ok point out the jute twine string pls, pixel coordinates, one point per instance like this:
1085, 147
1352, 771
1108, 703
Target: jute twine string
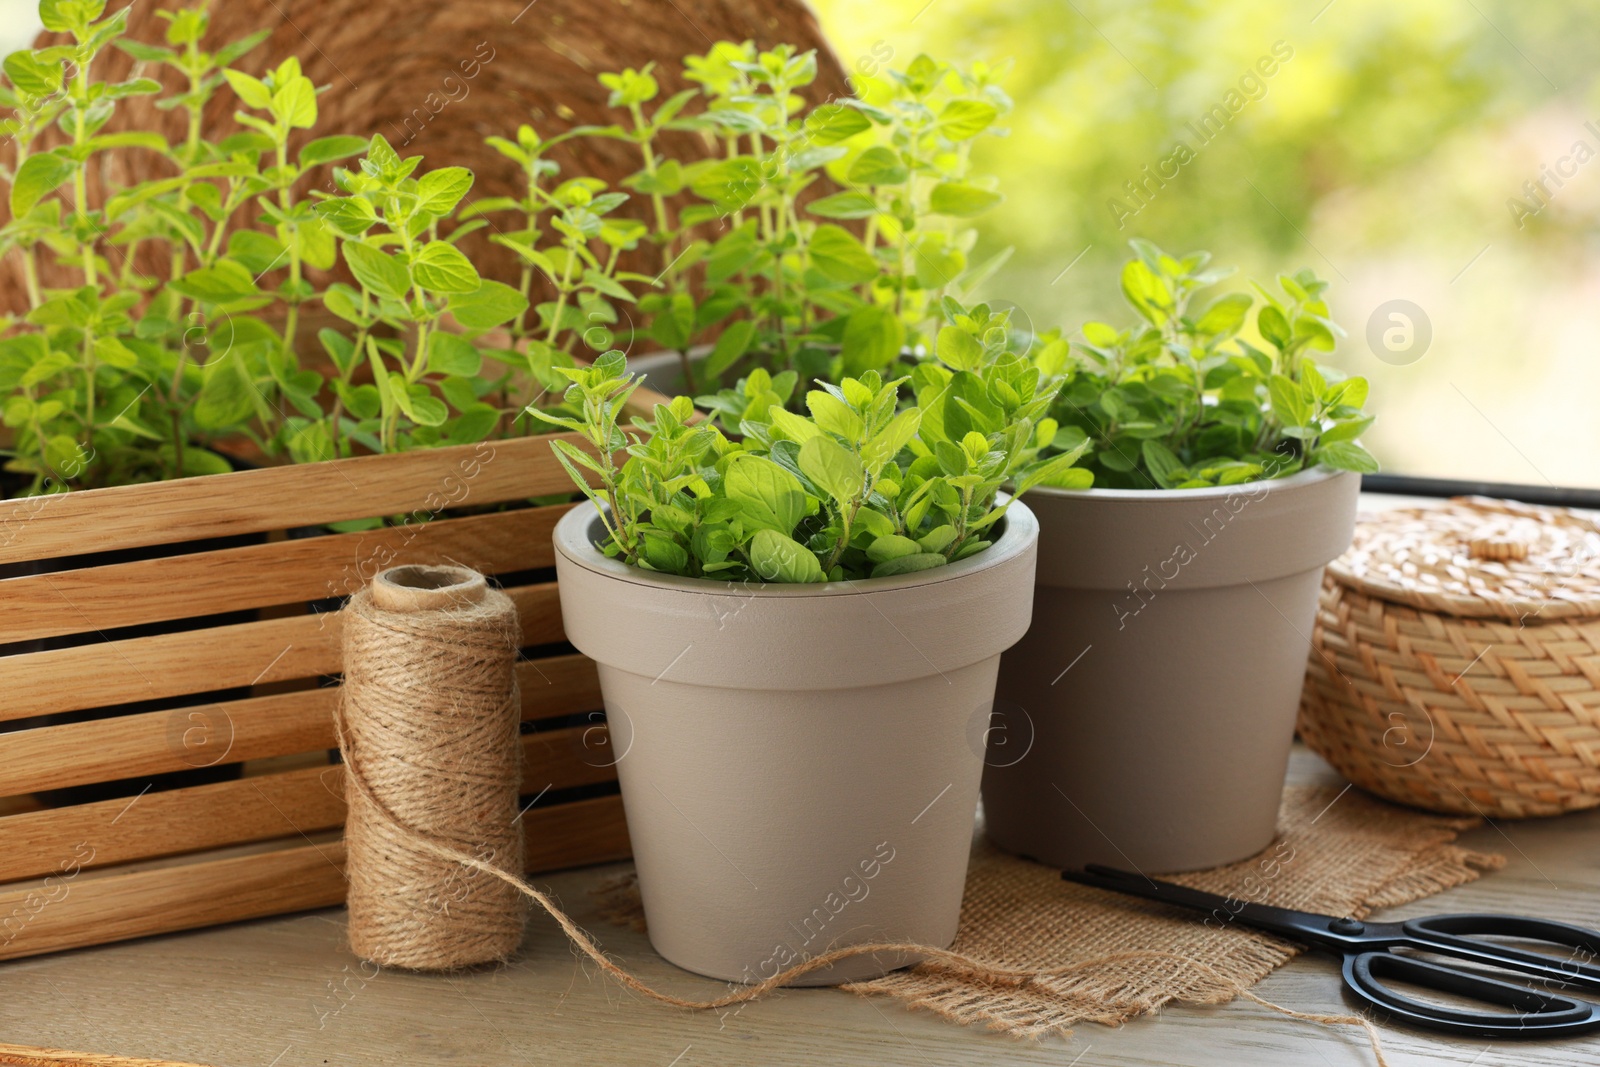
428, 723
933, 956
397, 765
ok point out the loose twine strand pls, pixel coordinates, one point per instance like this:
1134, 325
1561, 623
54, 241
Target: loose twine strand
448, 645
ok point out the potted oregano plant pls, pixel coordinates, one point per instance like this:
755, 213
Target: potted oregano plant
795, 631
1155, 695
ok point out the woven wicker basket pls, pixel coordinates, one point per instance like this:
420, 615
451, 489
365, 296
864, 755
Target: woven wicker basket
1456, 659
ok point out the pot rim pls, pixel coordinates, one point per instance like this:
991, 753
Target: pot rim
1020, 529
1300, 479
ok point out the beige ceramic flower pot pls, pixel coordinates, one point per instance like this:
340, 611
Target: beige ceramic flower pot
798, 763
1145, 720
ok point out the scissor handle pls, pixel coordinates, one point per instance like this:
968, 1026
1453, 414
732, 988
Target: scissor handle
1461, 937
1532, 1014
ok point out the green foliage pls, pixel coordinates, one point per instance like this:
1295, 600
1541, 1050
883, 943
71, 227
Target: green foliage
1182, 400
864, 485
580, 265
124, 376
128, 376
430, 390
788, 280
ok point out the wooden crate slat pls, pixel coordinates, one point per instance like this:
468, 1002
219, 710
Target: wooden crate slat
98, 911
258, 808
117, 906
194, 819
156, 742
276, 498
253, 576
152, 668
555, 759
576, 834
558, 685
197, 661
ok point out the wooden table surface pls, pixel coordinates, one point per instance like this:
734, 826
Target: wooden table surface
286, 993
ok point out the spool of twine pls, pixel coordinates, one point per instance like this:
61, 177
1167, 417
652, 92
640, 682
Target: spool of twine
428, 726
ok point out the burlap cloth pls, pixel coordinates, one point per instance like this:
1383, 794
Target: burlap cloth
1096, 956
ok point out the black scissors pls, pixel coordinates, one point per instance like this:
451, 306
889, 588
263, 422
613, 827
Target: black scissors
1367, 948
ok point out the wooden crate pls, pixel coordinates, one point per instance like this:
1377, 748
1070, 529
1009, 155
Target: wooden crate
214, 654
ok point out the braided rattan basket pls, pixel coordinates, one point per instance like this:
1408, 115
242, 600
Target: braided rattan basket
1456, 659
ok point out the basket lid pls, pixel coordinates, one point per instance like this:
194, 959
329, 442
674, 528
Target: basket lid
1473, 556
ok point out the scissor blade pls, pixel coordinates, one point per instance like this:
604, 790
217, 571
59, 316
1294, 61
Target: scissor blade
1302, 926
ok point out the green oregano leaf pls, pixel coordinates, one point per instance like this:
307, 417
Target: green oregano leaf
376, 270
777, 558
36, 178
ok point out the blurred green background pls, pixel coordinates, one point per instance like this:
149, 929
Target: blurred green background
1381, 152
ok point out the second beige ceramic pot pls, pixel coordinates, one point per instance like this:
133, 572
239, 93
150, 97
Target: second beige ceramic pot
1145, 720
798, 763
